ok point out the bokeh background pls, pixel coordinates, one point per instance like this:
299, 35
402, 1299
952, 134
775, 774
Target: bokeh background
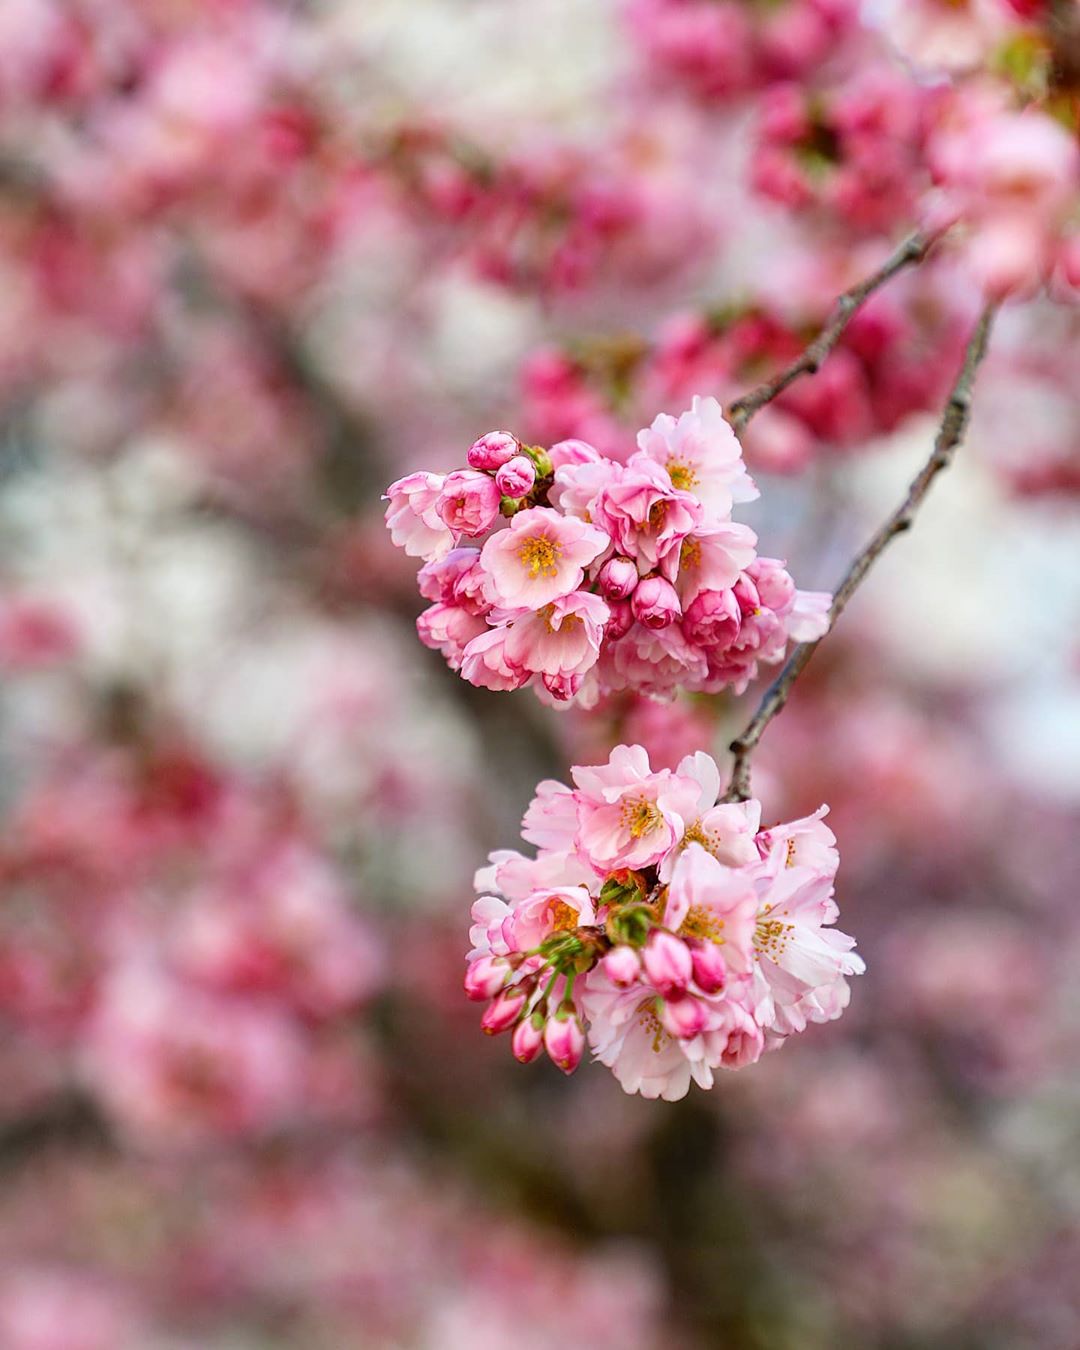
258, 259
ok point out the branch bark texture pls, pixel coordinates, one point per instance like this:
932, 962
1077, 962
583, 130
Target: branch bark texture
949, 437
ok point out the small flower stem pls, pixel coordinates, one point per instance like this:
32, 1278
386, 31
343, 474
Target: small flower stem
950, 435
914, 248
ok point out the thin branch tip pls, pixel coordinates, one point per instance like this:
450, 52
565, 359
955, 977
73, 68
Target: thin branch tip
950, 434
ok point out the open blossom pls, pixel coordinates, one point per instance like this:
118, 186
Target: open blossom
606, 576
663, 928
413, 517
540, 558
701, 454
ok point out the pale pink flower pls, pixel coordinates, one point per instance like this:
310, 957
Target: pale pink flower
627, 1033
545, 912
802, 964
726, 831
449, 629
561, 639
628, 815
701, 455
807, 842
551, 821
413, 518
709, 902
808, 618
484, 662
540, 557
646, 517
713, 557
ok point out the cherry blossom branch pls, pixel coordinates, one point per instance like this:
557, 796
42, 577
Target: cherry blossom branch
914, 248
950, 434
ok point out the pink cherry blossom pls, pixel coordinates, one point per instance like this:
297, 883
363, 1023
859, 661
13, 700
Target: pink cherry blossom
541, 557
627, 815
702, 456
413, 518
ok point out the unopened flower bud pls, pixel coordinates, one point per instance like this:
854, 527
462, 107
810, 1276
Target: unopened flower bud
622, 966
528, 1038
773, 583
630, 926
746, 593
667, 962
494, 450
682, 1016
623, 887
503, 1011
620, 621
655, 603
516, 477
564, 1040
617, 578
710, 968
485, 976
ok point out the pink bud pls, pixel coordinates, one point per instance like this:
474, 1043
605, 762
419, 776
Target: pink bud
516, 477
682, 1016
713, 619
617, 578
485, 976
773, 582
620, 622
527, 1039
494, 450
622, 966
502, 1012
655, 603
747, 595
710, 968
469, 502
564, 1040
667, 961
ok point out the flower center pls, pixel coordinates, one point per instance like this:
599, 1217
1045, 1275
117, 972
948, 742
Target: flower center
702, 923
658, 514
641, 817
771, 936
682, 475
652, 1025
540, 556
690, 553
564, 917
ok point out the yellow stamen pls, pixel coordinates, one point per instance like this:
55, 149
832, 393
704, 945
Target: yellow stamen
641, 817
771, 937
702, 923
682, 475
564, 917
648, 1019
540, 556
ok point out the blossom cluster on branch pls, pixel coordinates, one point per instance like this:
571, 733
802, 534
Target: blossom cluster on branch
673, 935
606, 576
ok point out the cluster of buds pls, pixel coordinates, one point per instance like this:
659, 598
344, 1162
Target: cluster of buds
591, 576
669, 933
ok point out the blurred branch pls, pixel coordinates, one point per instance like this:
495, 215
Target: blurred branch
950, 434
914, 248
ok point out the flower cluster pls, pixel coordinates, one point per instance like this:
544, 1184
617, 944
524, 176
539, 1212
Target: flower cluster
670, 933
607, 576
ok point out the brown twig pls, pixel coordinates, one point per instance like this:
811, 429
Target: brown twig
911, 251
950, 434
